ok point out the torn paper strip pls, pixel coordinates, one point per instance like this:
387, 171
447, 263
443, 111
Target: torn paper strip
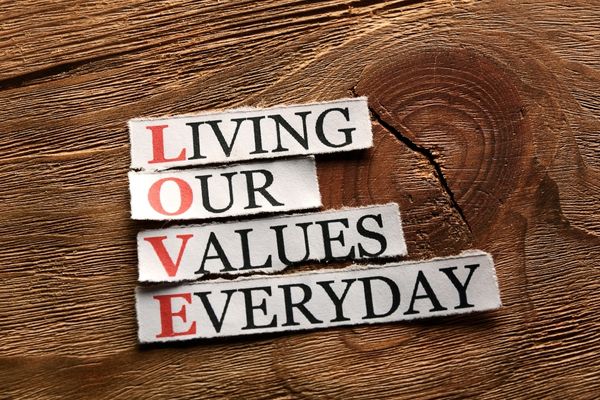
269, 244
250, 188
376, 294
250, 133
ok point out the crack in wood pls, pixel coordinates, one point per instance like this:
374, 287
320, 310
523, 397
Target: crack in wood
54, 71
427, 154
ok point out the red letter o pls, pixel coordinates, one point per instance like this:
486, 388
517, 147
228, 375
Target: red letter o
185, 192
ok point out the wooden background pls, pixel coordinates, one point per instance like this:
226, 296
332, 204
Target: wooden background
486, 119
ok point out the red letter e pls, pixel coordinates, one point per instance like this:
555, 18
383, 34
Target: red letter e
167, 315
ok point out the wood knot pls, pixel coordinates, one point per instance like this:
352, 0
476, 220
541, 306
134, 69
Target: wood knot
463, 111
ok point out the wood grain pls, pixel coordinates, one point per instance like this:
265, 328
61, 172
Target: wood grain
487, 133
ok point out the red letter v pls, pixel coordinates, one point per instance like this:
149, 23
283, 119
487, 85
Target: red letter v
159, 247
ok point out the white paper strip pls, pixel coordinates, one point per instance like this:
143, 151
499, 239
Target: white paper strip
358, 295
250, 133
269, 244
251, 188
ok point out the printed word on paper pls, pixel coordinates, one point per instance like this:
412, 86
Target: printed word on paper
250, 133
377, 294
270, 244
243, 189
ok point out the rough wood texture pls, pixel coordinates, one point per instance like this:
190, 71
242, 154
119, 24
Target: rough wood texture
487, 126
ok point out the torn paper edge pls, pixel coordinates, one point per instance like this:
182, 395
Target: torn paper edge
353, 267
217, 111
391, 229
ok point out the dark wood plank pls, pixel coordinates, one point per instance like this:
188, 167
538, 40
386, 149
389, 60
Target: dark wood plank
487, 128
